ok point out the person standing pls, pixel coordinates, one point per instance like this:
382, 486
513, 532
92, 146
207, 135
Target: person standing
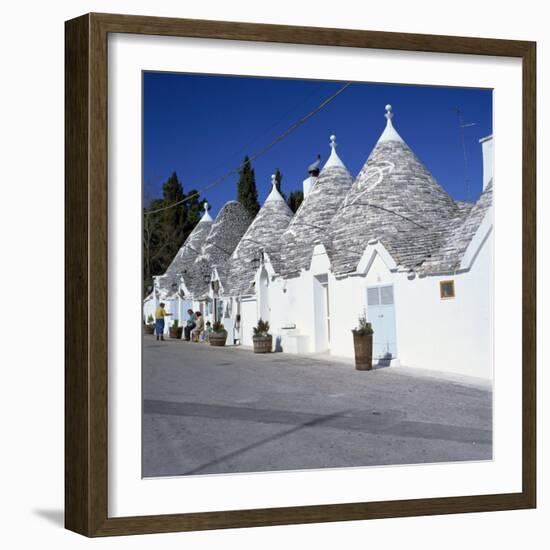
160, 314
190, 325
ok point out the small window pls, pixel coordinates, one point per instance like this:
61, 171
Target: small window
446, 289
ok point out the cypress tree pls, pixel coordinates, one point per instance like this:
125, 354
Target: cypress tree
247, 193
173, 218
172, 191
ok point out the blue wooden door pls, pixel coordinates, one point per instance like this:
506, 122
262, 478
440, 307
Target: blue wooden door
381, 313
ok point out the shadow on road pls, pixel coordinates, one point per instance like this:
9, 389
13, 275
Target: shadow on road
259, 443
388, 422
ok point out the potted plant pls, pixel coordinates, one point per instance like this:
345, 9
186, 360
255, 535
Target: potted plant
218, 336
263, 341
149, 327
362, 343
175, 331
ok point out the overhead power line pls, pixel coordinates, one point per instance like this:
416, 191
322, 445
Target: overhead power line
257, 154
267, 130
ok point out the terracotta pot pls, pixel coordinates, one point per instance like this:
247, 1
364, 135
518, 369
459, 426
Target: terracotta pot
149, 329
363, 351
175, 332
217, 338
263, 344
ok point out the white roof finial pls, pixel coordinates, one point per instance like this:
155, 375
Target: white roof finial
274, 195
206, 216
389, 133
334, 159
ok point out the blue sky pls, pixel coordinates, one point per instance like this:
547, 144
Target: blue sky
201, 126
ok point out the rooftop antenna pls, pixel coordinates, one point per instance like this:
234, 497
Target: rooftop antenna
460, 114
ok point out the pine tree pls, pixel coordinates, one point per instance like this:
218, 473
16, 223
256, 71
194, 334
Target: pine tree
295, 200
165, 231
247, 193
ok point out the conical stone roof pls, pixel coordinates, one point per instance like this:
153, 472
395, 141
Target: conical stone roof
459, 234
263, 235
311, 223
227, 230
187, 254
395, 199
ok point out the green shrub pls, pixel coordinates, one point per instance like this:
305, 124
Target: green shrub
262, 328
150, 320
175, 323
217, 326
364, 328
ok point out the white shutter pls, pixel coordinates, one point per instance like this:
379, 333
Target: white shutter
386, 295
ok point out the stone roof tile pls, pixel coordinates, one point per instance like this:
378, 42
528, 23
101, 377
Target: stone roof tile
189, 251
311, 223
394, 199
457, 236
263, 234
227, 230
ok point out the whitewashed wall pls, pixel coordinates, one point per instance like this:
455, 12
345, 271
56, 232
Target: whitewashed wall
452, 335
292, 304
149, 307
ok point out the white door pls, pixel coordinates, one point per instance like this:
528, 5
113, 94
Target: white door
321, 313
381, 313
327, 302
249, 319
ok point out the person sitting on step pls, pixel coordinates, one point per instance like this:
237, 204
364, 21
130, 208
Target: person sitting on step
199, 327
189, 325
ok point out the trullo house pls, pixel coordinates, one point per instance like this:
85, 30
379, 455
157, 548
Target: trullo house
390, 244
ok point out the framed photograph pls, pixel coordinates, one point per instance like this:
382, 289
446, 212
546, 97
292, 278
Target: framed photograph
299, 275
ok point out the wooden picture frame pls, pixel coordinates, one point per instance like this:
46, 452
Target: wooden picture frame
86, 224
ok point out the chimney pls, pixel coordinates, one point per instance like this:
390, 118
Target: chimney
313, 171
308, 184
488, 158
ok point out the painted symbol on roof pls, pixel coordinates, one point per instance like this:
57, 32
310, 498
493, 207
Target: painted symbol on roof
369, 179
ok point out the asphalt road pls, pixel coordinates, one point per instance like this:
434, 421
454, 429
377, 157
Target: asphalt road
224, 410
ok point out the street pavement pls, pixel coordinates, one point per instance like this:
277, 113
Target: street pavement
225, 410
